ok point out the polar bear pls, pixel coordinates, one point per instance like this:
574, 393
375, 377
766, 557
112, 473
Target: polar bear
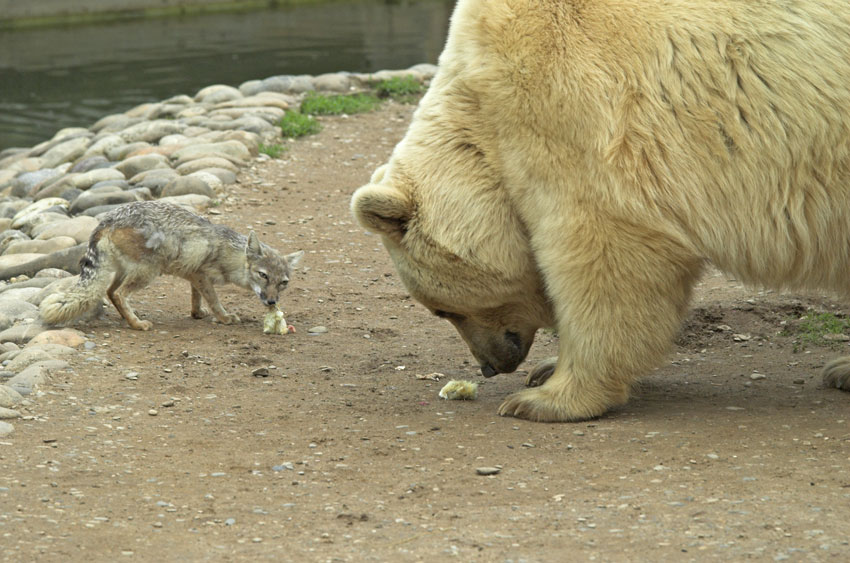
575, 164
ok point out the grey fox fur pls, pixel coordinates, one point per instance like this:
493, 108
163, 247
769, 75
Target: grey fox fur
137, 242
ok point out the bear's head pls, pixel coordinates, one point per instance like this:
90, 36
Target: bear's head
459, 247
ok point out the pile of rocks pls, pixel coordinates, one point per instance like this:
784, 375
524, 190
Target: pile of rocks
186, 150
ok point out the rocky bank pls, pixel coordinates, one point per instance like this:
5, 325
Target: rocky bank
186, 150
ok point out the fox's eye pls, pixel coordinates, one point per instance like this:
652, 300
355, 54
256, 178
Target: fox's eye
263, 275
284, 283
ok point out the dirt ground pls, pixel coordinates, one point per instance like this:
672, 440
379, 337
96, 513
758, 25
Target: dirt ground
731, 450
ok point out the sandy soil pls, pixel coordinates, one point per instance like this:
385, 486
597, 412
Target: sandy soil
341, 454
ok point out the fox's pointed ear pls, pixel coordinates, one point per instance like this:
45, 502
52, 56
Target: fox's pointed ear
253, 246
294, 258
382, 209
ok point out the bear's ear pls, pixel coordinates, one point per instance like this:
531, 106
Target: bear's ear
382, 209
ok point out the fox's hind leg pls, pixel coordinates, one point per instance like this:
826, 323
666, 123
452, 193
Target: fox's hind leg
122, 286
206, 289
198, 310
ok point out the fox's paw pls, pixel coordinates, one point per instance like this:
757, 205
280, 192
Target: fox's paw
200, 313
230, 319
142, 325
541, 372
837, 374
541, 405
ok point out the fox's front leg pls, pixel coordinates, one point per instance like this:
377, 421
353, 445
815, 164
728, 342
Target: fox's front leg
198, 310
205, 288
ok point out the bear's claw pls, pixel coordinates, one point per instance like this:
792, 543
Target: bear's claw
541, 373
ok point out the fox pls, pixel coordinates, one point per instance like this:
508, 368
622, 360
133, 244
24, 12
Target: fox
137, 242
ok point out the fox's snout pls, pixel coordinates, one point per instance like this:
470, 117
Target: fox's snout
266, 297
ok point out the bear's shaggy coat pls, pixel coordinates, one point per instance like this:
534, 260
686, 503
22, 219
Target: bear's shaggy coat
576, 163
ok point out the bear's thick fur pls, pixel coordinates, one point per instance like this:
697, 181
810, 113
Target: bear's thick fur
576, 163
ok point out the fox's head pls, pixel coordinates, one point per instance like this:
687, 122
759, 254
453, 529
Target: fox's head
268, 271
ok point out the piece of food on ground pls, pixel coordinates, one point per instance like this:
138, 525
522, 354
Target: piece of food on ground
274, 323
460, 390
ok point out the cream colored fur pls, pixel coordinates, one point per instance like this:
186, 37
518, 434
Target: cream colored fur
575, 163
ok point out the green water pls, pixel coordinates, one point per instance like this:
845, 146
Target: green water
57, 77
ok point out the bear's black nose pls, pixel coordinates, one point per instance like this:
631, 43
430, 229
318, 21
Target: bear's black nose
488, 371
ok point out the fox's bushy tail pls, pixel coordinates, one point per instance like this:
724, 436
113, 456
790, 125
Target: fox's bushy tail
85, 295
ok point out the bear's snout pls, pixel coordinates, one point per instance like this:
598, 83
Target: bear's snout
514, 339
505, 357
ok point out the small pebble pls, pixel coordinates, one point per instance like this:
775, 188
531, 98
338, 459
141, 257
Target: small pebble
153, 412
487, 470
260, 372
757, 376
317, 330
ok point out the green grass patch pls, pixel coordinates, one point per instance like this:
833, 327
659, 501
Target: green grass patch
295, 124
400, 88
300, 123
274, 150
819, 329
337, 104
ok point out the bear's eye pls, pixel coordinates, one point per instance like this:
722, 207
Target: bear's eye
449, 316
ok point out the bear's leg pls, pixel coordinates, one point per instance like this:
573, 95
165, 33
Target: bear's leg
620, 293
837, 373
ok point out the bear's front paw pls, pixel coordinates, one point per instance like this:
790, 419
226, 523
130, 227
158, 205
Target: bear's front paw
541, 372
540, 405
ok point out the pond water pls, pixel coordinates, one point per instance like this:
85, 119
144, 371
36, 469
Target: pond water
70, 77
